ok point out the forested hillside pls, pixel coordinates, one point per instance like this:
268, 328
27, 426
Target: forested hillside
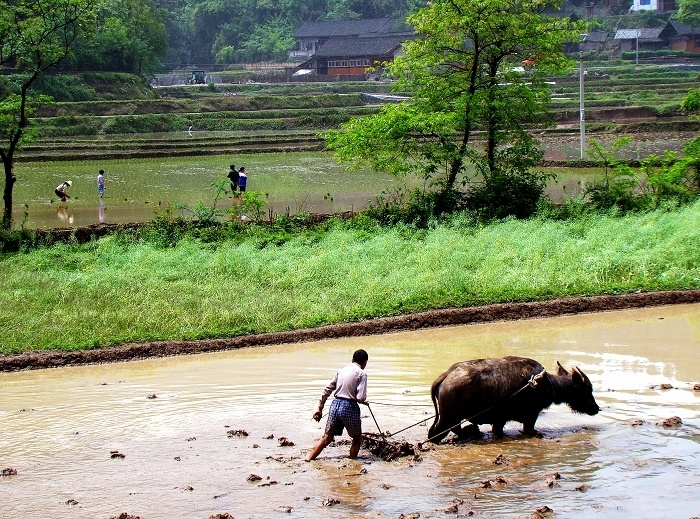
148, 36
145, 36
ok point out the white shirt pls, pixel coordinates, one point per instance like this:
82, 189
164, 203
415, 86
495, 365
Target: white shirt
349, 383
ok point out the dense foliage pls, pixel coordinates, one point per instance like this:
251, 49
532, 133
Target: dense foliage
154, 35
146, 36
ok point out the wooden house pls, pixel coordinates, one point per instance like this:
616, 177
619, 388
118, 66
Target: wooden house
353, 56
640, 39
681, 37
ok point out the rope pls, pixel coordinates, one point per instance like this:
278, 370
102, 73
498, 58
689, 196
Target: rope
406, 428
534, 380
401, 405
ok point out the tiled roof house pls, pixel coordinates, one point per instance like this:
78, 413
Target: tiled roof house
648, 39
681, 37
345, 48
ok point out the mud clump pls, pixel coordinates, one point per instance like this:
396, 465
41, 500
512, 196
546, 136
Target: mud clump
9, 472
124, 515
674, 421
284, 442
225, 515
116, 455
239, 433
253, 478
552, 479
385, 449
331, 501
543, 512
501, 460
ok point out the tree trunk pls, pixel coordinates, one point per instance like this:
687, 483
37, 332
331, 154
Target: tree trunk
492, 121
10, 180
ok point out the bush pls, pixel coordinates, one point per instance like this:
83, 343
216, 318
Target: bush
64, 87
416, 207
504, 194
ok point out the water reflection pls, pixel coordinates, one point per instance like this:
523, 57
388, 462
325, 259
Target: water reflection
101, 212
64, 215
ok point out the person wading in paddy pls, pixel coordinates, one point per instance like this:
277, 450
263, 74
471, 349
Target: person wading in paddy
350, 385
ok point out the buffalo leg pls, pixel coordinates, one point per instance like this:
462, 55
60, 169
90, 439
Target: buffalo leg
469, 432
529, 426
437, 432
497, 428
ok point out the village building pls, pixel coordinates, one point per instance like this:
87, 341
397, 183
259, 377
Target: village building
662, 6
594, 41
347, 48
647, 38
681, 37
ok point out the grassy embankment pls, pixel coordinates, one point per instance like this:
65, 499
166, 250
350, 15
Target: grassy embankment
118, 289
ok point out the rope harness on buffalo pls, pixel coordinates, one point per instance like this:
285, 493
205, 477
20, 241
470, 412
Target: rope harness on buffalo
381, 445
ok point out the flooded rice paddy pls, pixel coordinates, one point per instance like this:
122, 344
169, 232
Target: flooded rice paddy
137, 189
65, 430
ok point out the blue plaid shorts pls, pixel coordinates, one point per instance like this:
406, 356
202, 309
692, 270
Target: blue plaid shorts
344, 414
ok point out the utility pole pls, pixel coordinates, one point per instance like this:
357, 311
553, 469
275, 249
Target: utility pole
582, 124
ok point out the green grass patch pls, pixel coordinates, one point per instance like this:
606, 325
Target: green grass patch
121, 288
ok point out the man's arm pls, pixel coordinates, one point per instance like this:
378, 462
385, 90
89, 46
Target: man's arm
362, 388
324, 396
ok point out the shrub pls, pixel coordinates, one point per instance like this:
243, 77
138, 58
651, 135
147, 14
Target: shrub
504, 194
415, 207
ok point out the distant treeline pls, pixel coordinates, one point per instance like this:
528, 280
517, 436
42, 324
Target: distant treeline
147, 36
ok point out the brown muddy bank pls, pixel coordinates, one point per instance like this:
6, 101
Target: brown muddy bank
435, 318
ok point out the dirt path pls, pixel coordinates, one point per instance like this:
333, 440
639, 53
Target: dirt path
446, 317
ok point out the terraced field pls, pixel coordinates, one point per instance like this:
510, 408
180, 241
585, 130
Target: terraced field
236, 118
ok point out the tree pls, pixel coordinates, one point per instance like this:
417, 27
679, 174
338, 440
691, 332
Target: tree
691, 103
462, 77
129, 36
689, 12
35, 35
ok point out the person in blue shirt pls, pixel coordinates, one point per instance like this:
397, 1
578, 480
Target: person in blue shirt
242, 179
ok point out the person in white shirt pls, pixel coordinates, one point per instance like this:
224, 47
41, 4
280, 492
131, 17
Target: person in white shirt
61, 190
350, 385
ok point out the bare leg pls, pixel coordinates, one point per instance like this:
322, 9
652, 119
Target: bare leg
355, 447
327, 438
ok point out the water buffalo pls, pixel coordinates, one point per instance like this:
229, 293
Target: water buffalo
496, 391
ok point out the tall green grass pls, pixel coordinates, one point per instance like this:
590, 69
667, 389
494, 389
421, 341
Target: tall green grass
115, 290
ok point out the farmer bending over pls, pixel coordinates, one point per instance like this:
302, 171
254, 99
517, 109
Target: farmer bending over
350, 384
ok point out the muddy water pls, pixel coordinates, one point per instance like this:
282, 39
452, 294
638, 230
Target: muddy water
59, 427
138, 189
